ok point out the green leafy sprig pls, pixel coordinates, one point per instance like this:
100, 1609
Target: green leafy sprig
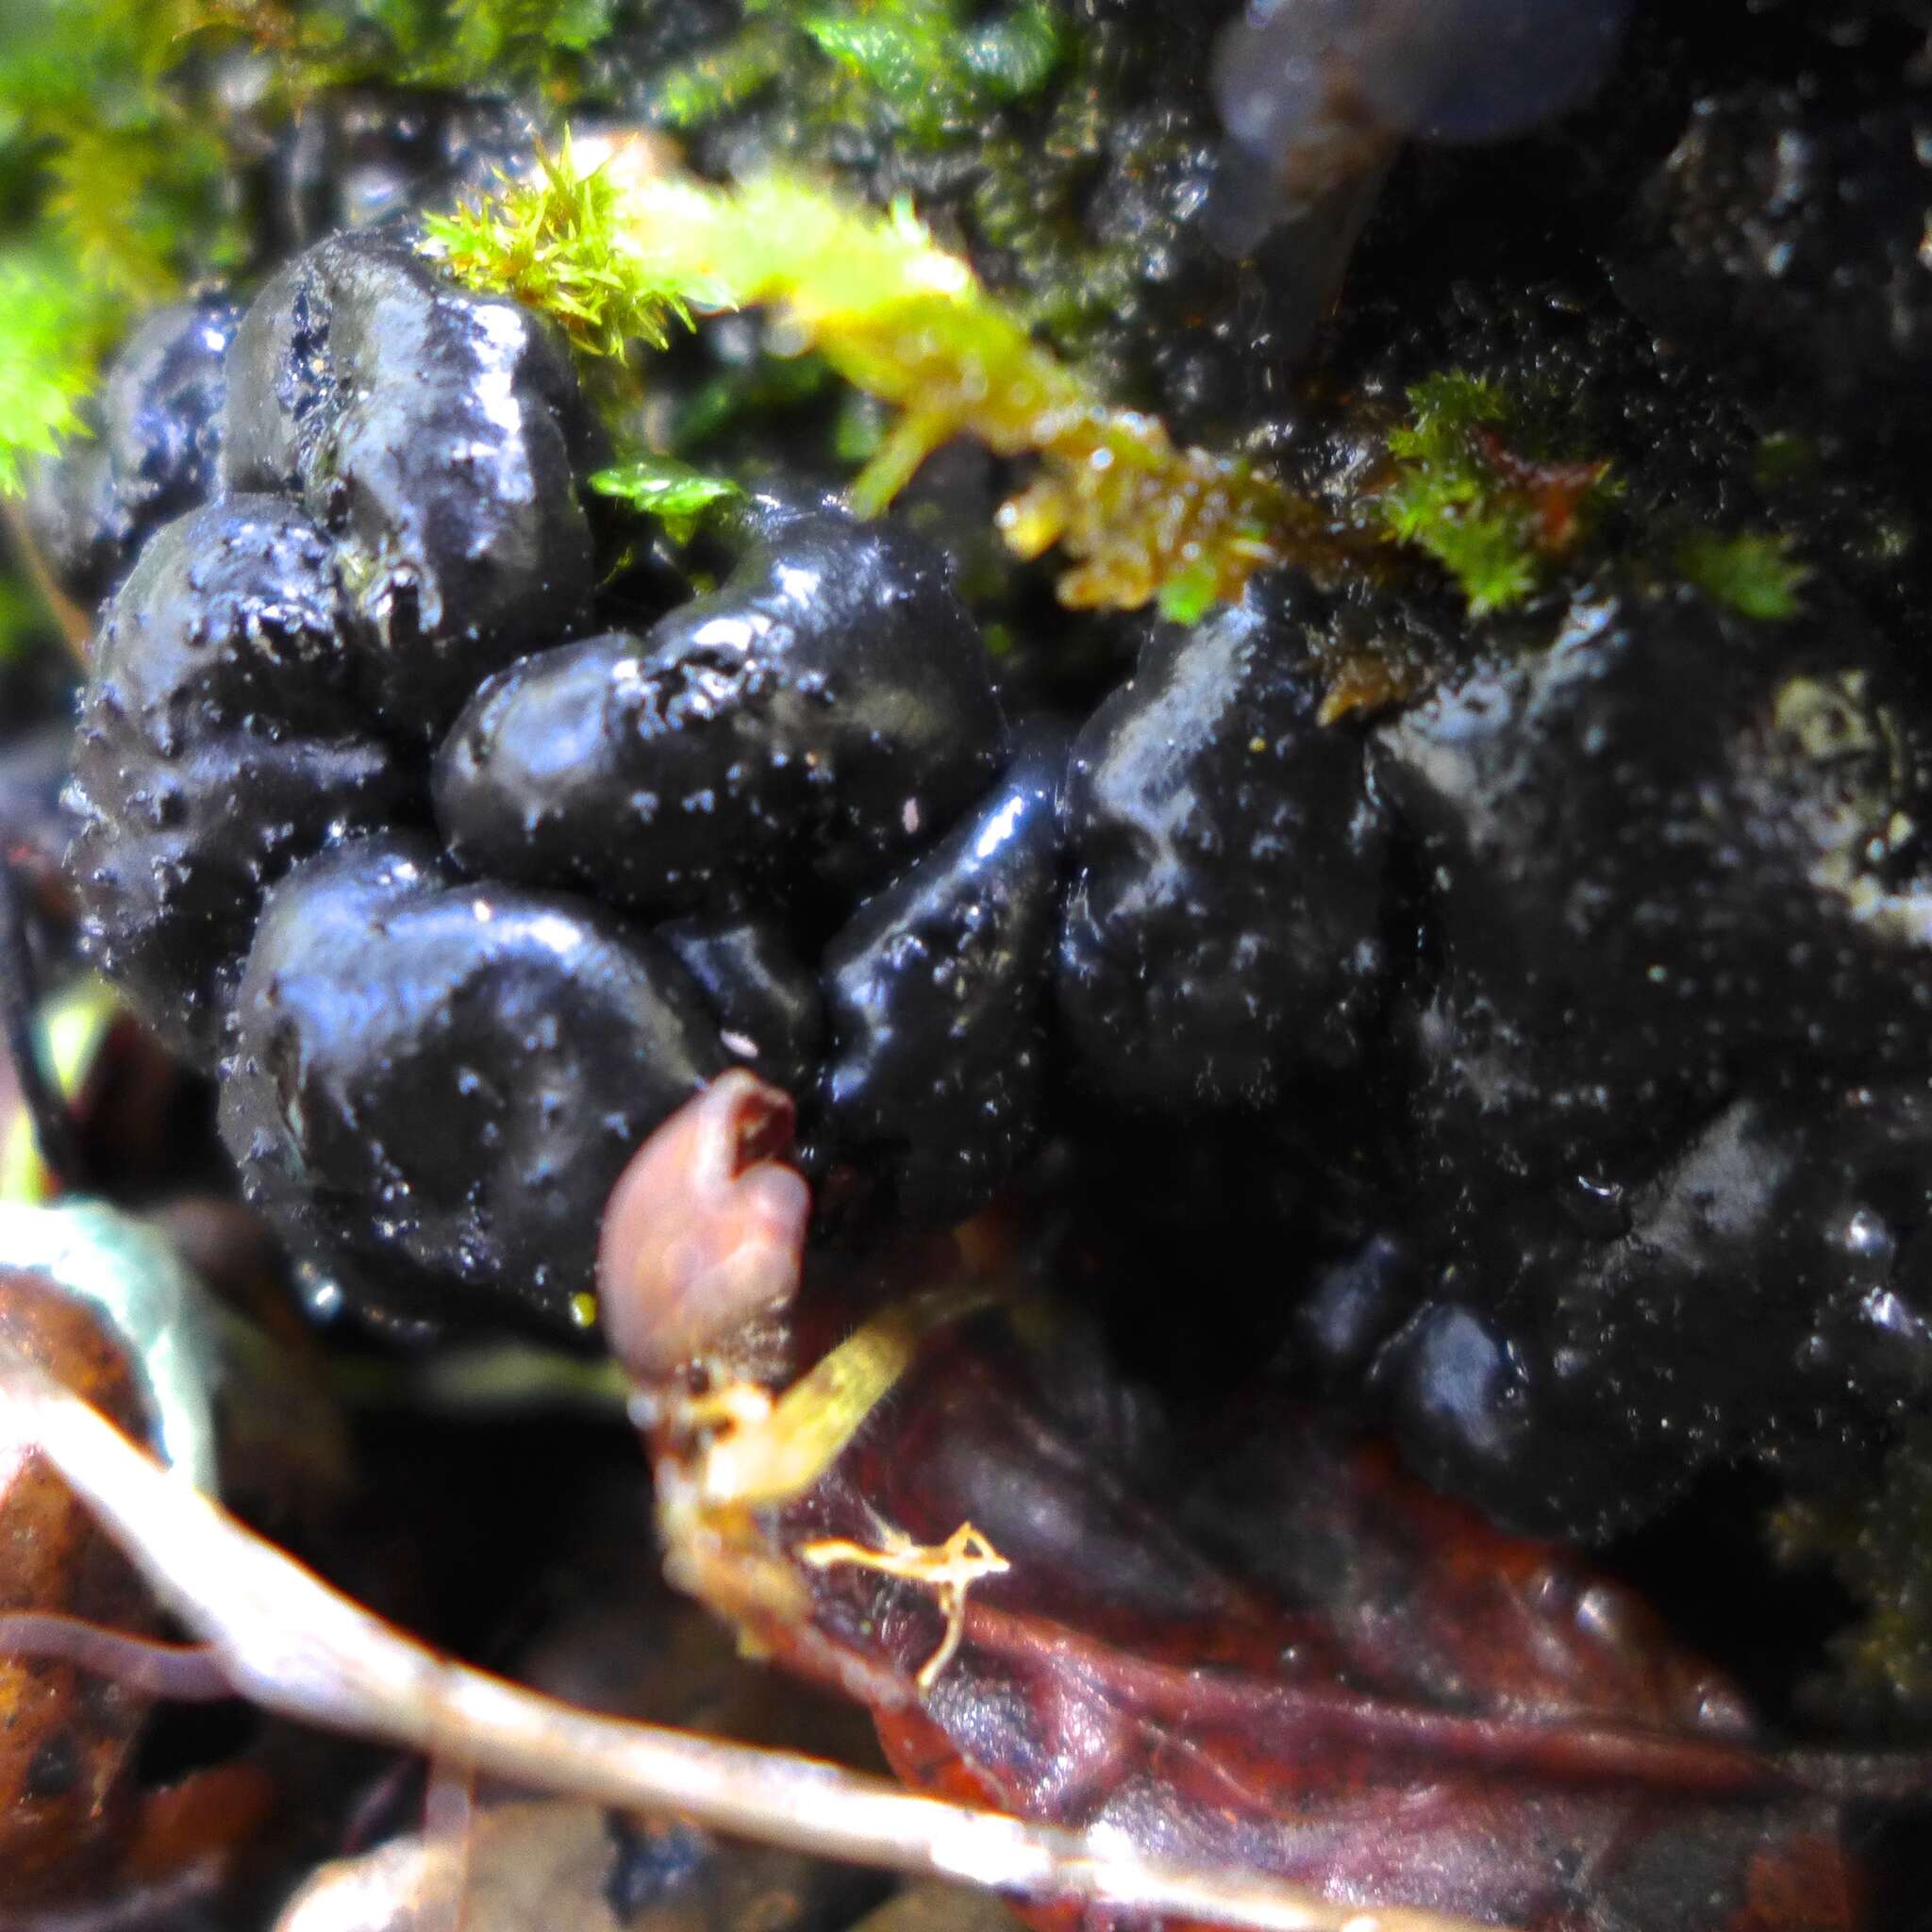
931, 65
464, 46
53, 330
1492, 516
557, 242
116, 183
1879, 1542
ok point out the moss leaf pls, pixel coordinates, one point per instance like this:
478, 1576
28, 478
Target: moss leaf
674, 492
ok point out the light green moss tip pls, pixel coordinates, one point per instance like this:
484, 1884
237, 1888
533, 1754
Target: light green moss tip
55, 326
1879, 1540
676, 494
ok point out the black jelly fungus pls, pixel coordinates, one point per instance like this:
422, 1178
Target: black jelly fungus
771, 1014
220, 741
825, 712
156, 453
934, 990
435, 1083
437, 435
1224, 928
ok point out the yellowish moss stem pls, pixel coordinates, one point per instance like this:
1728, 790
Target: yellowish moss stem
898, 317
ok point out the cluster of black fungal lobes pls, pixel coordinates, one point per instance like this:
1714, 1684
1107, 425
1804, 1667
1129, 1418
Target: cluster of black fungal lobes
463, 893
1575, 1015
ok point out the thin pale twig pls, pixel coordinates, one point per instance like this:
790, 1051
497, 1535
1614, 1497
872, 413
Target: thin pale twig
76, 632
183, 1672
295, 1645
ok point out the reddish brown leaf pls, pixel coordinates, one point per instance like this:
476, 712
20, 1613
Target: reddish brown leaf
1269, 1648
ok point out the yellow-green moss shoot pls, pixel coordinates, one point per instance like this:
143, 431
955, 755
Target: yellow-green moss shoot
619, 250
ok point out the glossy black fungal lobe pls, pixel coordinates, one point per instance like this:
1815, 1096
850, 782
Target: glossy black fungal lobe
438, 436
435, 1083
770, 1013
1767, 1294
936, 993
1224, 929
220, 739
156, 455
1661, 855
826, 711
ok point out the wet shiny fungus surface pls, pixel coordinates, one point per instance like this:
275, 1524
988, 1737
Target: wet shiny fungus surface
1658, 862
433, 433
160, 415
824, 711
1224, 840
935, 992
220, 741
436, 1083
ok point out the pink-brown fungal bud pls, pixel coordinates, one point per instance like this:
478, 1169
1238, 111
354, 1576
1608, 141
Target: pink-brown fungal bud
705, 1230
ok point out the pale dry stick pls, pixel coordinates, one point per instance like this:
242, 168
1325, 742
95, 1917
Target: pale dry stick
296, 1646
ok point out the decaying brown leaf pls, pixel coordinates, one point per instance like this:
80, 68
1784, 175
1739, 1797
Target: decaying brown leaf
1258, 1649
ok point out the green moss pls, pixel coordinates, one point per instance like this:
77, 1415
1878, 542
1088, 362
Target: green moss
931, 66
1187, 597
925, 67
1025, 129
25, 628
120, 169
1014, 102
128, 171
118, 185
1751, 573
1486, 552
859, 433
693, 93
466, 46
909, 324
1467, 492
750, 397
53, 329
1784, 459
557, 242
1448, 406
530, 42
